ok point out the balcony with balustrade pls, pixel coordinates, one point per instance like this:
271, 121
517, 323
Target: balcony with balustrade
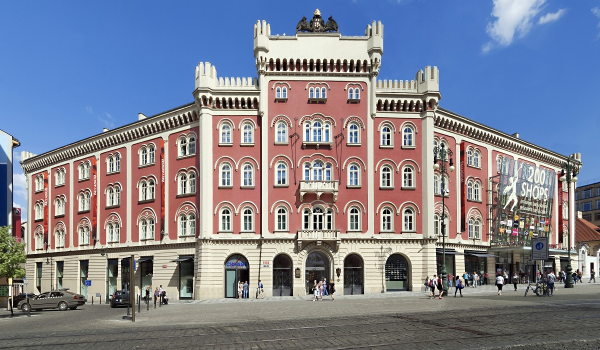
332, 237
319, 188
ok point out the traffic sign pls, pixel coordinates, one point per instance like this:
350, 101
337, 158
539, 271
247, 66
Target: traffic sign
88, 283
539, 248
25, 281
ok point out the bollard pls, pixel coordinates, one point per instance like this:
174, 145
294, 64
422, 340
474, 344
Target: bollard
128, 308
92, 300
155, 301
147, 304
139, 303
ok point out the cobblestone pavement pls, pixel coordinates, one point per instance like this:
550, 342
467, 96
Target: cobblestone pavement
480, 319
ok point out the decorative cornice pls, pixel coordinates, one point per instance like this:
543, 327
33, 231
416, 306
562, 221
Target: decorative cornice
174, 118
109, 250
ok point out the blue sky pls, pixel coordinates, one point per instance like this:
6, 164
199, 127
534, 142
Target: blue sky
70, 68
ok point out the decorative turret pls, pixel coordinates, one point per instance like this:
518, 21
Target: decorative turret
374, 32
428, 81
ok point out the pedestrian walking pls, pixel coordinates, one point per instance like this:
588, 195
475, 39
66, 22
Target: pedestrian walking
466, 278
450, 279
485, 278
321, 290
475, 279
580, 276
325, 286
592, 276
240, 289
315, 291
147, 297
515, 280
156, 296
331, 289
499, 283
459, 286
260, 291
432, 284
440, 286
245, 290
161, 293
427, 284
551, 278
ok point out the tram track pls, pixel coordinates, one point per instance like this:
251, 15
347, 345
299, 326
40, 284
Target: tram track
409, 324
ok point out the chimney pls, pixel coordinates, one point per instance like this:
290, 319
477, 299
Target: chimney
141, 116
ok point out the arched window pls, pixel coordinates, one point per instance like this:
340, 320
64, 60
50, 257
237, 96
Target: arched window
112, 232
183, 149
408, 139
117, 195
111, 193
356, 94
306, 219
284, 92
317, 171
354, 219
192, 145
471, 228
386, 136
151, 158
84, 235
282, 219
470, 157
281, 131
278, 92
353, 134
317, 219
226, 133
323, 93
436, 224
225, 219
86, 201
311, 93
317, 131
477, 228
327, 132
317, 93
191, 225
386, 177
409, 220
144, 156
386, 220
353, 175
328, 172
306, 171
281, 174
477, 191
183, 225
182, 183
476, 159
117, 162
247, 176
470, 190
436, 184
247, 133
247, 220
60, 239
192, 182
353, 94
498, 164
111, 164
408, 177
143, 191
226, 175
151, 189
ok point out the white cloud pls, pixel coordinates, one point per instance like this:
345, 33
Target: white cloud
551, 17
513, 17
17, 205
19, 185
107, 120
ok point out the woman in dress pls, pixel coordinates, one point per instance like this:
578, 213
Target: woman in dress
240, 289
331, 288
315, 291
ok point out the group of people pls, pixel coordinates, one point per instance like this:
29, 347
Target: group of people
160, 295
243, 289
321, 288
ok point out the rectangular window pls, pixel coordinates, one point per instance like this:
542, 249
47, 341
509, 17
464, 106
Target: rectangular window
60, 265
186, 279
598, 191
597, 203
83, 276
587, 217
38, 276
587, 193
586, 206
597, 216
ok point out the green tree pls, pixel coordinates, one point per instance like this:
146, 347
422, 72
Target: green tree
12, 255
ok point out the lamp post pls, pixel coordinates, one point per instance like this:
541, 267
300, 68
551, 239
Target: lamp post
569, 174
50, 262
441, 155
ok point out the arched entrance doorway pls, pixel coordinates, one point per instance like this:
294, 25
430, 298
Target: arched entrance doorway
236, 269
396, 273
282, 276
317, 268
353, 275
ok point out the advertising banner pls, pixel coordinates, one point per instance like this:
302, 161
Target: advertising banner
526, 195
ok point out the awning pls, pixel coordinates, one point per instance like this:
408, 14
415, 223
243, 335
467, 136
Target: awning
183, 258
564, 258
449, 251
480, 254
145, 259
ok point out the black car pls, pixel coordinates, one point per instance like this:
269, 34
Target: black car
19, 297
120, 298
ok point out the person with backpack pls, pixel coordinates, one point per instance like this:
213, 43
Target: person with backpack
432, 284
440, 286
459, 286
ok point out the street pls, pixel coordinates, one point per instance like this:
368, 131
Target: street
480, 319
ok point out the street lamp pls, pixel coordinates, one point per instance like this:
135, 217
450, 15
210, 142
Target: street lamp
568, 168
49, 262
440, 156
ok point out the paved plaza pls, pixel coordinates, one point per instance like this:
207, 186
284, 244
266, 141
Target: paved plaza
409, 320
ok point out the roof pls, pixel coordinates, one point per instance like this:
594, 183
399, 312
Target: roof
585, 231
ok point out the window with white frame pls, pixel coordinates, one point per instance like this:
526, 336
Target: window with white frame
437, 225
353, 134
39, 183
147, 228
476, 159
281, 92
470, 156
354, 219
498, 164
84, 235
247, 133
84, 170
320, 171
474, 228
112, 232
247, 220
187, 225
225, 218
317, 93
225, 175
247, 175
477, 191
386, 220
281, 132
318, 219
39, 210
39, 241
84, 201
147, 190
226, 133
59, 177
408, 217
60, 238
386, 136
386, 177
117, 158
281, 223
59, 206
147, 155
354, 175
353, 94
470, 190
114, 195
151, 154
317, 131
408, 180
187, 182
187, 145
111, 164
436, 184
408, 137
281, 174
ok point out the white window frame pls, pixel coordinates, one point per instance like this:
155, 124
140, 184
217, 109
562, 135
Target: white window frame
281, 133
387, 220
247, 178
389, 182
84, 235
408, 177
354, 134
281, 168
354, 179
318, 131
281, 219
225, 223
470, 190
60, 238
247, 220
226, 135
408, 137
387, 136
477, 159
408, 220
477, 191
354, 219
247, 134
228, 178
470, 157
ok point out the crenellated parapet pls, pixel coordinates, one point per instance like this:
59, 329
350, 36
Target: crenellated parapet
206, 77
410, 95
224, 93
428, 80
374, 32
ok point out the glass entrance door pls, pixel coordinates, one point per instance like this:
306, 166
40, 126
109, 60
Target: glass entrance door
236, 270
282, 276
317, 268
353, 275
396, 273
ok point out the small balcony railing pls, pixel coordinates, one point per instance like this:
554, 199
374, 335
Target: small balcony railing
319, 236
319, 188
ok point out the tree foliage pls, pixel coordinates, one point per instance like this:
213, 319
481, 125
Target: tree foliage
12, 255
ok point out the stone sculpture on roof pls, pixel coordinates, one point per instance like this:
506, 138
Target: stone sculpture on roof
317, 24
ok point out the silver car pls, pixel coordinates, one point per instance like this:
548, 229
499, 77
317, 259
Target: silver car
58, 299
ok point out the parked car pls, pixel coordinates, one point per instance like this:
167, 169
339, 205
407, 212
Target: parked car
120, 298
17, 298
57, 299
